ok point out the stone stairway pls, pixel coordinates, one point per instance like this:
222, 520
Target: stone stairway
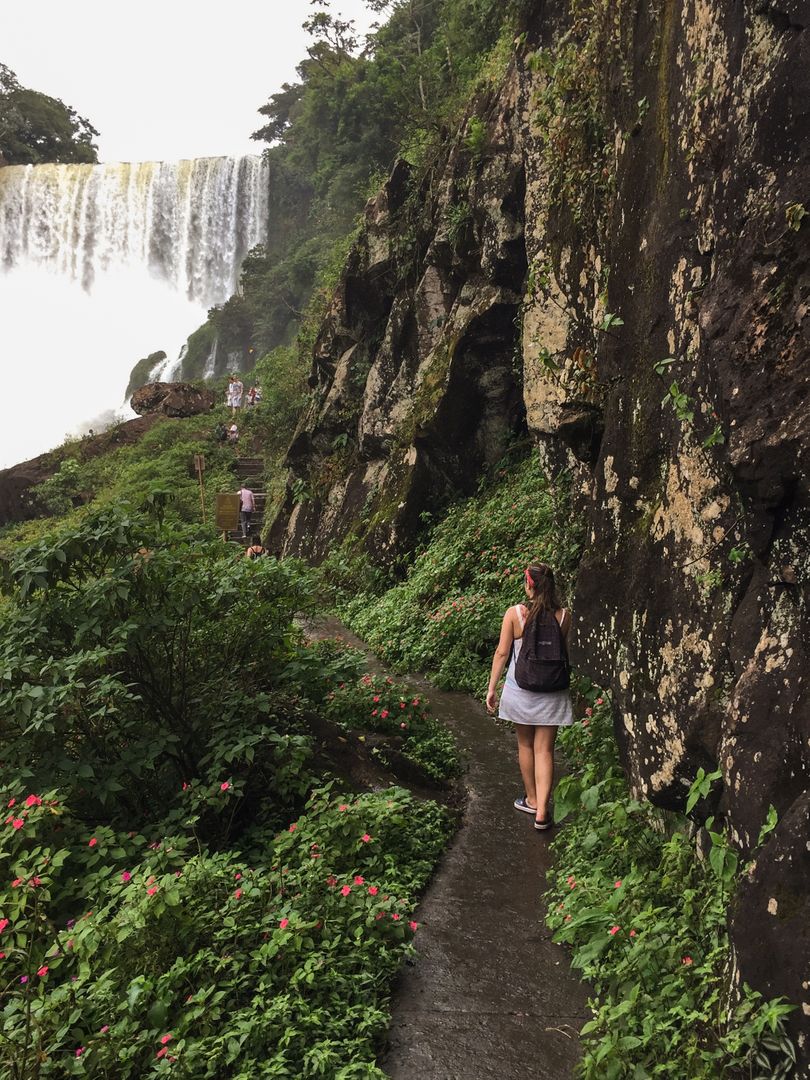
249, 471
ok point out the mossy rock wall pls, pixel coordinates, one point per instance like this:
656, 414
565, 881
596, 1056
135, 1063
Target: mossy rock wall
631, 230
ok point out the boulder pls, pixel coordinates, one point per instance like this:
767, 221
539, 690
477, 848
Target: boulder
172, 399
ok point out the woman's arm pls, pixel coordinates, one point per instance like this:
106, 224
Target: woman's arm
500, 660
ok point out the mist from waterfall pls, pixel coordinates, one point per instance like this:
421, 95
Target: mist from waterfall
104, 264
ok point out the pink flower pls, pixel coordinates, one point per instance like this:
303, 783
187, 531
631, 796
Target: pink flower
396, 917
92, 842
366, 838
165, 1038
3, 925
568, 918
237, 877
152, 891
126, 876
358, 880
17, 823
686, 960
35, 881
600, 701
632, 933
33, 800
379, 915
585, 723
345, 890
415, 701
403, 724
614, 930
617, 884
16, 882
185, 786
293, 827
237, 894
43, 971
23, 979
402, 704
413, 925
104, 1029
224, 785
342, 807
331, 880
79, 1051
373, 712
11, 802
384, 714
161, 1053
284, 924
376, 699
589, 712
373, 890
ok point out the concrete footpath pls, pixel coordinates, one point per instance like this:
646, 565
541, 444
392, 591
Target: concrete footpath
489, 994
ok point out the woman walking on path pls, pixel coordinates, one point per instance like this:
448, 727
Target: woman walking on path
536, 713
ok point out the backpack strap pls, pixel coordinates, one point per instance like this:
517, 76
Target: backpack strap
520, 615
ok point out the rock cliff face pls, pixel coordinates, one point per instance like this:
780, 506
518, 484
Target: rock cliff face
619, 224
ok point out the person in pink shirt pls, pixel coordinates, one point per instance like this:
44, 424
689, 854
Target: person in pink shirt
247, 504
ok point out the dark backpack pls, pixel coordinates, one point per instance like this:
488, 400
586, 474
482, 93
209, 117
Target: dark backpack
542, 664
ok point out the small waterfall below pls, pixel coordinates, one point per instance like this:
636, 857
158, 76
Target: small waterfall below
188, 222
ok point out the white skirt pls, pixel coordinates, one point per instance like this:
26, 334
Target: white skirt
520, 706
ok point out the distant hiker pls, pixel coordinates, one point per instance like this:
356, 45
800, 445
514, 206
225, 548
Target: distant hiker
535, 696
247, 504
257, 394
251, 397
229, 392
255, 550
237, 389
233, 434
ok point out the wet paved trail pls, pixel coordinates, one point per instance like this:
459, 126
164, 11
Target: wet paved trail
489, 994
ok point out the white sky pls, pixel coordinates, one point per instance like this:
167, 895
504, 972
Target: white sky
162, 79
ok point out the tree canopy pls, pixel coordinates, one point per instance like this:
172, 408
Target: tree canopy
36, 128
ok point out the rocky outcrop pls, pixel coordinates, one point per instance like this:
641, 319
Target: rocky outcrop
613, 257
172, 399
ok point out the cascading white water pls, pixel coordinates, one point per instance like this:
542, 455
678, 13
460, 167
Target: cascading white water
103, 264
189, 222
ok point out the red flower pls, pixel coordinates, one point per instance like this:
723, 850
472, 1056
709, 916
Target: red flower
17, 823
345, 890
365, 838
402, 704
284, 924
152, 891
589, 712
396, 917
11, 802
632, 933
224, 785
376, 699
79, 1051
33, 800
687, 960
293, 827
16, 882
161, 1053
413, 925
373, 712
614, 930
342, 807
43, 970
237, 894
384, 714
126, 876
185, 786
373, 890
617, 884
358, 880
92, 842
165, 1038
35, 881
600, 701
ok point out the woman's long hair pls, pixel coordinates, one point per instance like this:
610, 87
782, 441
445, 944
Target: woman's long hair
545, 596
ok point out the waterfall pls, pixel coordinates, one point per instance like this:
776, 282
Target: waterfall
188, 222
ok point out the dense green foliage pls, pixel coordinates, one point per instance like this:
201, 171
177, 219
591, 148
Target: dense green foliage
334, 132
36, 128
647, 918
446, 616
182, 882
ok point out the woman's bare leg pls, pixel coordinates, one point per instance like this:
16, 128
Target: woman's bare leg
543, 754
525, 741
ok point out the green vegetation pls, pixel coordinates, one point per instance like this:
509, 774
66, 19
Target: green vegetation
36, 128
186, 880
334, 133
446, 616
646, 917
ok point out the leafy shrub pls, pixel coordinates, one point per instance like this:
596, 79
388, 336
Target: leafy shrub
647, 921
376, 703
446, 617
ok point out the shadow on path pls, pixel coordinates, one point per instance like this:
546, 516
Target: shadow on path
489, 994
